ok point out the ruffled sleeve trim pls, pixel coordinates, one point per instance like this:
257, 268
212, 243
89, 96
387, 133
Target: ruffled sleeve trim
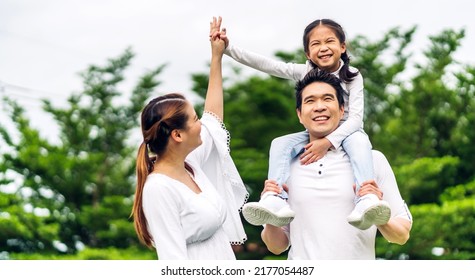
224, 174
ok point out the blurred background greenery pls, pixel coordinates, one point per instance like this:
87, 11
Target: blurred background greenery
72, 199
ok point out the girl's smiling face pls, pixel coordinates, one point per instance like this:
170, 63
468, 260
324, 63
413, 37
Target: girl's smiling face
324, 48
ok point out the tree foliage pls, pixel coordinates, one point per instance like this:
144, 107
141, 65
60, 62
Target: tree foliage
86, 180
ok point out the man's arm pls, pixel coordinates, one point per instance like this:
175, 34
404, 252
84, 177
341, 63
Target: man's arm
396, 230
275, 239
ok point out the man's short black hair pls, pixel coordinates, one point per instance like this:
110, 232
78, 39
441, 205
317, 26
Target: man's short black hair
321, 76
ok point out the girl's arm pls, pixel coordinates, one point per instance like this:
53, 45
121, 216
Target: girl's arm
355, 112
291, 71
267, 65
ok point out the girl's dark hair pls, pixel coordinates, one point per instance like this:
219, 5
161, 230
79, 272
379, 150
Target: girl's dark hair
345, 74
317, 75
159, 118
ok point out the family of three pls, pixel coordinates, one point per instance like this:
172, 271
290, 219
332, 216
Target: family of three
327, 193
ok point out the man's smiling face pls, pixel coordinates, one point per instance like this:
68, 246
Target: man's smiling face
320, 112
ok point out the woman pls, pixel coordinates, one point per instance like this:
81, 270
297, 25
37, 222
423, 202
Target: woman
184, 206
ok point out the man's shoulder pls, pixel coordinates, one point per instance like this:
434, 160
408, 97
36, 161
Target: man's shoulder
380, 162
378, 156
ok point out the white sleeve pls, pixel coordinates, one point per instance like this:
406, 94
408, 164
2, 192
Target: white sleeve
355, 112
387, 182
210, 123
215, 160
290, 71
162, 209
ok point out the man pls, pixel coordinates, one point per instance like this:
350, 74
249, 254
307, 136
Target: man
321, 194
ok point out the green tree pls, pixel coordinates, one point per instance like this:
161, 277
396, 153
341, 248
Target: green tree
463, 134
447, 227
381, 64
90, 174
430, 108
21, 230
425, 179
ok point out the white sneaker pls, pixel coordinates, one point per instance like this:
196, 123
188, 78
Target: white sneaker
369, 210
271, 209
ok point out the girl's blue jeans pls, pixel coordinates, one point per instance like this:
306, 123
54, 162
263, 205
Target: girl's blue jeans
285, 148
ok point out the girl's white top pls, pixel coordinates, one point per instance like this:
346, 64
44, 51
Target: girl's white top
354, 97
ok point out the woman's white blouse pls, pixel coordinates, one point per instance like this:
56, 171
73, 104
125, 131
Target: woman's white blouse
187, 225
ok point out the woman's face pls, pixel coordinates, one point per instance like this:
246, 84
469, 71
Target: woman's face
192, 133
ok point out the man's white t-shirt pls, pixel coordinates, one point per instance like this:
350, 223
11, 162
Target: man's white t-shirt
322, 196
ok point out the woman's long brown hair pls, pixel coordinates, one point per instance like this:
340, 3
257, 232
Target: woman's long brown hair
161, 116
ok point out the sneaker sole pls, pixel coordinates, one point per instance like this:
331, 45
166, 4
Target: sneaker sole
257, 216
375, 215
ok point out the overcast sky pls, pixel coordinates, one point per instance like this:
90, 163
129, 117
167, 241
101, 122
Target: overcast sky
44, 44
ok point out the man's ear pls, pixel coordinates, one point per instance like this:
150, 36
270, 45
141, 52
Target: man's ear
298, 115
176, 135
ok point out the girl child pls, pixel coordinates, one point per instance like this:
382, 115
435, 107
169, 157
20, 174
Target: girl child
324, 44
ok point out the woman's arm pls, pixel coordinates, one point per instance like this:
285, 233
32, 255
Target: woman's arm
214, 95
161, 207
214, 104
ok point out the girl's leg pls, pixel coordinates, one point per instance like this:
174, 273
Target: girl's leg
359, 150
282, 150
369, 210
272, 208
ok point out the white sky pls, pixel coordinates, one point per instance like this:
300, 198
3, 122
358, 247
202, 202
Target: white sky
44, 44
